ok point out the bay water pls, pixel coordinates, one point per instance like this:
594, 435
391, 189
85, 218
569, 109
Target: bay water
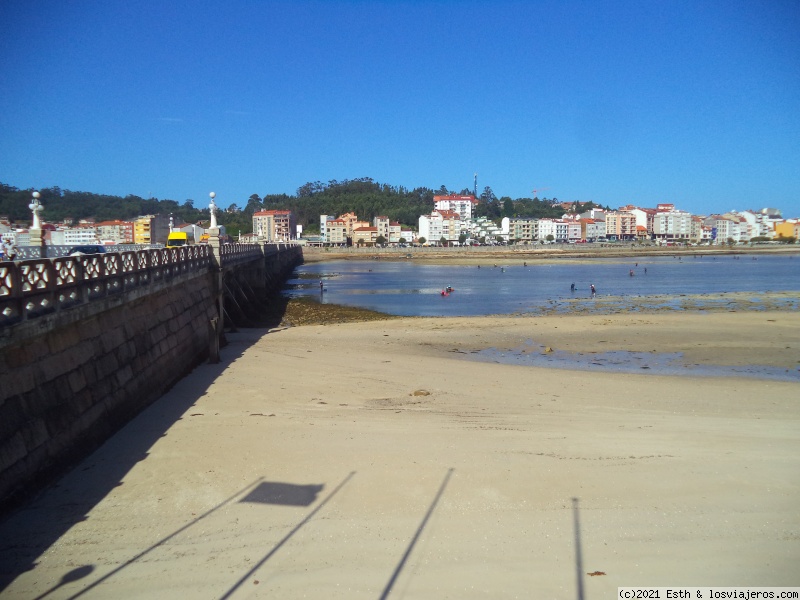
406, 288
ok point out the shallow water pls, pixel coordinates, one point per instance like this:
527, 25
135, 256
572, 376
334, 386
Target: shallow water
411, 289
622, 361
670, 284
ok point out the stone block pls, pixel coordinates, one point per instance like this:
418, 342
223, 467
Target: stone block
106, 366
158, 333
124, 375
13, 416
166, 313
83, 401
63, 339
77, 380
94, 327
89, 373
53, 367
34, 434
112, 339
58, 419
12, 450
124, 353
173, 326
95, 419
21, 381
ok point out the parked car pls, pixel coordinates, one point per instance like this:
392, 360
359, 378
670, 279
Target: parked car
89, 249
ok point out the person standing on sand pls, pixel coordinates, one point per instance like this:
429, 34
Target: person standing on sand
593, 290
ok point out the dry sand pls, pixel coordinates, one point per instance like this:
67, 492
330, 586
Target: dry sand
371, 460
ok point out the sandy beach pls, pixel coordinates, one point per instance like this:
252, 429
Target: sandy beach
376, 460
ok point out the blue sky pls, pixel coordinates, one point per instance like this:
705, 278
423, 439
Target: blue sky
695, 103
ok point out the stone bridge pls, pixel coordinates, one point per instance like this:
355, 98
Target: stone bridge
87, 342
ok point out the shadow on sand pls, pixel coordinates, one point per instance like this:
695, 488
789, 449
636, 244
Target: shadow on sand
27, 532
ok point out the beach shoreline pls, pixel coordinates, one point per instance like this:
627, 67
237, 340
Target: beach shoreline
539, 254
303, 464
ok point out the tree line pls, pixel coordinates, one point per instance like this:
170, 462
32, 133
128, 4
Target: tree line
364, 197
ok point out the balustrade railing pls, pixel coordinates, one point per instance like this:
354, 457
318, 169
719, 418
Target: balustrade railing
31, 286
37, 287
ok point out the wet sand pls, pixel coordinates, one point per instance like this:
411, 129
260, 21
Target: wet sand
372, 460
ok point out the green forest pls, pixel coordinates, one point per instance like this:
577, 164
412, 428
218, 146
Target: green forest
364, 197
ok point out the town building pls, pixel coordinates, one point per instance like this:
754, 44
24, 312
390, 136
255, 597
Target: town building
74, 236
519, 229
151, 229
672, 226
462, 205
440, 225
592, 230
620, 226
115, 232
365, 236
274, 225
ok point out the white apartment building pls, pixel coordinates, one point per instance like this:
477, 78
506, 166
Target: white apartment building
440, 224
592, 229
461, 205
395, 233
723, 229
337, 231
74, 236
382, 225
573, 231
523, 230
644, 217
323, 226
558, 228
672, 226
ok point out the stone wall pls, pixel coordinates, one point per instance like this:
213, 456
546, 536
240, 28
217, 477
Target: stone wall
73, 379
70, 379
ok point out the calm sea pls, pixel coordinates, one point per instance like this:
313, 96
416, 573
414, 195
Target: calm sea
411, 289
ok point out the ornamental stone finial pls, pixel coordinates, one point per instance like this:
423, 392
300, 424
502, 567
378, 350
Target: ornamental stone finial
213, 209
36, 208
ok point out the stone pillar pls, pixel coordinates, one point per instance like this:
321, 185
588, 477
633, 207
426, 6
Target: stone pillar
261, 274
218, 324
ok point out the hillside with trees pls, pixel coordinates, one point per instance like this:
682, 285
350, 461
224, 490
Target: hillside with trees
364, 197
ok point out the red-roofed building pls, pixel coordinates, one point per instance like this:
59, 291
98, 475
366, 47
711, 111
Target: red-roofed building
365, 236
